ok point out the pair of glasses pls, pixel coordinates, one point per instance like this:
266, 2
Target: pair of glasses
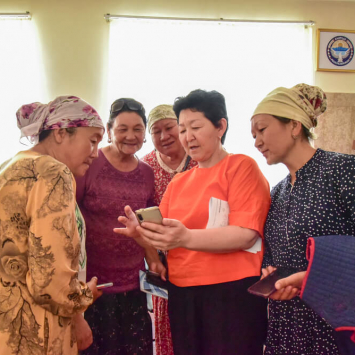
130, 103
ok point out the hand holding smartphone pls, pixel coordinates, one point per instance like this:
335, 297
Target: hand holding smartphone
266, 286
150, 214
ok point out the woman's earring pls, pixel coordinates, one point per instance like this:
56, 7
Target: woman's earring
144, 140
109, 140
294, 136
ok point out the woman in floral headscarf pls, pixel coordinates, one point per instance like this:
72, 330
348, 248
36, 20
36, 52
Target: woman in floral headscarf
317, 198
41, 297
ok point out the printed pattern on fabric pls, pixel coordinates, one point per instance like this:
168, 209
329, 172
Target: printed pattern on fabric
102, 195
82, 234
62, 112
121, 325
321, 202
105, 192
162, 177
39, 251
312, 100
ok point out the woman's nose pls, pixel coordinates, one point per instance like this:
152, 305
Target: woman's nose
163, 135
189, 135
95, 152
130, 134
257, 142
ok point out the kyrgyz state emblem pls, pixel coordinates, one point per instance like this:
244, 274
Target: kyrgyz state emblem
340, 50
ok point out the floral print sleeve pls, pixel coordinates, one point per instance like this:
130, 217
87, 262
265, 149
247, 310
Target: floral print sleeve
54, 245
39, 257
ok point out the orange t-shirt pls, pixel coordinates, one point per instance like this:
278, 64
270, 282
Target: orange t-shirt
236, 179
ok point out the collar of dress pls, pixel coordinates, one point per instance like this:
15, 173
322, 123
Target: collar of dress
166, 168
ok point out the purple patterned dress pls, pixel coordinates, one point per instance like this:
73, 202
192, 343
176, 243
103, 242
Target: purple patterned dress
119, 318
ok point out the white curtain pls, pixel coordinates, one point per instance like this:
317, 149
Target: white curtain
21, 79
155, 61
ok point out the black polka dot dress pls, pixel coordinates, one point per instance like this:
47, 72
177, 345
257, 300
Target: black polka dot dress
321, 202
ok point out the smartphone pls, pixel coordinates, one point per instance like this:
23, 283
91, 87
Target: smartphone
266, 286
100, 287
155, 279
150, 214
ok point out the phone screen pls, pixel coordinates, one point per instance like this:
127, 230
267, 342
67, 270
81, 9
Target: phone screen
266, 286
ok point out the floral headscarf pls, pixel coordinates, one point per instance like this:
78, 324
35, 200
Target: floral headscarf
160, 112
303, 103
62, 112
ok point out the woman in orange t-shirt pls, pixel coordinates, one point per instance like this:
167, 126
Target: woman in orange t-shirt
214, 216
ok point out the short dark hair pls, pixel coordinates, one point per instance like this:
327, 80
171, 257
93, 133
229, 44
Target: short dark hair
308, 134
44, 134
211, 103
126, 108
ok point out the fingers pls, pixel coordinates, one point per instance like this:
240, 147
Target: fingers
288, 293
285, 294
264, 273
159, 268
283, 283
156, 240
286, 288
151, 236
130, 216
268, 270
165, 237
92, 286
153, 227
129, 213
123, 220
170, 222
123, 231
163, 274
294, 280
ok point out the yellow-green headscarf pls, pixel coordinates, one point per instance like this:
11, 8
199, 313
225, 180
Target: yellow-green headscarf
303, 103
160, 112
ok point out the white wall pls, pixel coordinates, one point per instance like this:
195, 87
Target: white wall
74, 34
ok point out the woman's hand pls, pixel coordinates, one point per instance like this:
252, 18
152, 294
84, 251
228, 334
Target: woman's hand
92, 286
294, 280
154, 263
131, 223
282, 293
82, 331
169, 235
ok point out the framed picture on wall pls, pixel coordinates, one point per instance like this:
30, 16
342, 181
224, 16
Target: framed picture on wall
335, 50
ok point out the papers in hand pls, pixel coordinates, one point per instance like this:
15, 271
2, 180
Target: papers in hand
146, 287
218, 217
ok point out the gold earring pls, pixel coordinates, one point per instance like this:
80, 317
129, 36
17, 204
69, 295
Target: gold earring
294, 136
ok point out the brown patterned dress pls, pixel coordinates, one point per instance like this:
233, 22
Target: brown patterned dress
39, 257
